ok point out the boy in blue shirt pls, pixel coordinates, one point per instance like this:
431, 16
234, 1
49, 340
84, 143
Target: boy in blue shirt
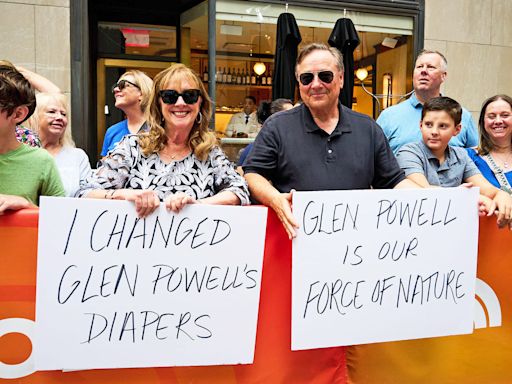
433, 163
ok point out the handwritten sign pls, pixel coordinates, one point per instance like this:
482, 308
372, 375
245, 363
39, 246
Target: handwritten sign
117, 291
373, 266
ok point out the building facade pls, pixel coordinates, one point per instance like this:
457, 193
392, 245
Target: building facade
58, 39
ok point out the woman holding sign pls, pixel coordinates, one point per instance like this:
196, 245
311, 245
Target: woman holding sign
177, 161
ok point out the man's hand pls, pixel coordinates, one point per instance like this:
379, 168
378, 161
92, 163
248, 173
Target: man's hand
13, 203
263, 191
486, 206
281, 204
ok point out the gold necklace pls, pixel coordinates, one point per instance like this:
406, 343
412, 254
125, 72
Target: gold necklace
179, 153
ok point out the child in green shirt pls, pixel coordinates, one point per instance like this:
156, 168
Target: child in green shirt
25, 173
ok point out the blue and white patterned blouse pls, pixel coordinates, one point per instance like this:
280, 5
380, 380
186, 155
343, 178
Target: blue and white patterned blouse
127, 167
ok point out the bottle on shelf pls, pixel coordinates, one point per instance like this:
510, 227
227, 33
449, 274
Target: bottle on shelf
269, 77
233, 76
242, 75
253, 78
224, 75
205, 74
264, 79
239, 76
248, 77
228, 78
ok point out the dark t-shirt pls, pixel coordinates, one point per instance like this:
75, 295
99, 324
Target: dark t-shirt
294, 153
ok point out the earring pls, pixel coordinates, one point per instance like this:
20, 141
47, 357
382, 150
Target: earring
200, 116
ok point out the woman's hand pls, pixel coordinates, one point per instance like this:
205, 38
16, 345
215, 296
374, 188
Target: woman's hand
146, 201
504, 206
177, 201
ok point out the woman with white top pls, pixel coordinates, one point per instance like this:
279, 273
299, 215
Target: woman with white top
50, 121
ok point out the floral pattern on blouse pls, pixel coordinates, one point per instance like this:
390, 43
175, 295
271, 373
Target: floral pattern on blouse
26, 136
127, 167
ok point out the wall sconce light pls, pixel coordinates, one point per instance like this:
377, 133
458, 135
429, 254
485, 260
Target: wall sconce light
362, 74
387, 88
259, 67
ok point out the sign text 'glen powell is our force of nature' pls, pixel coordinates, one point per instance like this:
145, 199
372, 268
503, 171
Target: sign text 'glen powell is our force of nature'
373, 266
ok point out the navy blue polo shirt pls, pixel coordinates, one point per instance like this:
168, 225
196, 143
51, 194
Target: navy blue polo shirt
294, 153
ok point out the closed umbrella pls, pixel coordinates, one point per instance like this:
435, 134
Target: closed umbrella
288, 39
345, 38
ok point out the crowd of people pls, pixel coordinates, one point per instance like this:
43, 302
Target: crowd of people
164, 152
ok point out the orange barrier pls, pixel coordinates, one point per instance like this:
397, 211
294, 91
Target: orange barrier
482, 357
274, 362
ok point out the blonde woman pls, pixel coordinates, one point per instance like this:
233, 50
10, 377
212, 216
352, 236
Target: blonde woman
132, 93
50, 122
177, 161
40, 84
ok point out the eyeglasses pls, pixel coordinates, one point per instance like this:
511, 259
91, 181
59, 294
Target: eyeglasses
307, 78
170, 96
122, 84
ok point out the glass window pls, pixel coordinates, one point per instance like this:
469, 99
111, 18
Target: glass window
136, 39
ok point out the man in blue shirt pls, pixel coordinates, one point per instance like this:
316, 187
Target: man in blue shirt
400, 122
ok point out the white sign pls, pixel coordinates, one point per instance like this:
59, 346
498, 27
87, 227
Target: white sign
115, 291
373, 266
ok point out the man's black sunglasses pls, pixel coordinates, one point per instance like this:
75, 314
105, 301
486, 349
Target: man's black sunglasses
121, 84
307, 78
170, 96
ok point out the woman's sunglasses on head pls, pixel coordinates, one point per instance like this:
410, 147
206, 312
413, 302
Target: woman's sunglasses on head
170, 96
307, 78
122, 84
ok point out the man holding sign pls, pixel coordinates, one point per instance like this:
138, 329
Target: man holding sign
320, 145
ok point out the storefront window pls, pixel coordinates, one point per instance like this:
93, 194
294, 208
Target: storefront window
136, 40
246, 43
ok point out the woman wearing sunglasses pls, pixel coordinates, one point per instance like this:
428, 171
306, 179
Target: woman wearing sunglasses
177, 161
132, 93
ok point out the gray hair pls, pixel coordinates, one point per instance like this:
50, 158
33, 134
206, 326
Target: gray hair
444, 62
306, 50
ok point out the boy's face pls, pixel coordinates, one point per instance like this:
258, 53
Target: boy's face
437, 128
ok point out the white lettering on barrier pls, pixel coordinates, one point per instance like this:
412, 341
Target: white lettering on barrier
489, 303
25, 327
